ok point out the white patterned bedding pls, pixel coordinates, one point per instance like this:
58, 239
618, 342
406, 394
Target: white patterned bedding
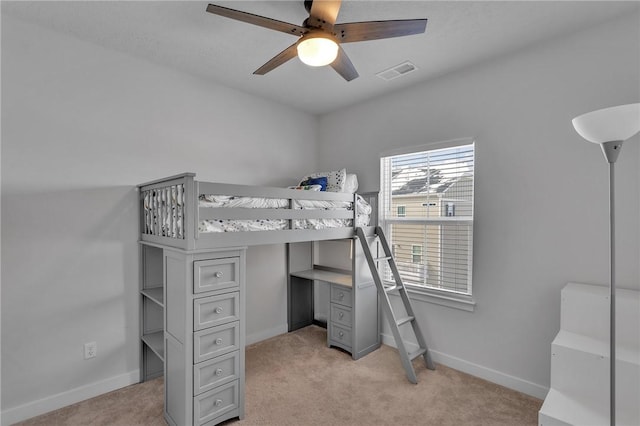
231, 225
163, 213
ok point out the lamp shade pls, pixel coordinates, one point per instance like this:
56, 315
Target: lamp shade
617, 123
317, 50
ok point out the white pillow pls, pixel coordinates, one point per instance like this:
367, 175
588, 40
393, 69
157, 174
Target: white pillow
335, 179
351, 183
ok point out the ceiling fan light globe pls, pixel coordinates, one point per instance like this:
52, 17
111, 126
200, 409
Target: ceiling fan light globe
317, 51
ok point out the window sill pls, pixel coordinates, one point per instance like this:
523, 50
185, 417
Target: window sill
451, 300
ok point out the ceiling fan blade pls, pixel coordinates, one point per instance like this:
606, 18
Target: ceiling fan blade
323, 13
374, 30
343, 65
282, 57
260, 21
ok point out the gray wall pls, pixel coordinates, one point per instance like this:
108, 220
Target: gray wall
82, 126
541, 215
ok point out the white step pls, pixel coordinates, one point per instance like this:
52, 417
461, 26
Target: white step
585, 310
580, 368
579, 393
560, 409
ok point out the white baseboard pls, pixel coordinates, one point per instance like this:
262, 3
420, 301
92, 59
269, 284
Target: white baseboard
489, 374
54, 402
266, 334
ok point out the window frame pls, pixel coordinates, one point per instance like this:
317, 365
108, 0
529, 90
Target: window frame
438, 296
414, 254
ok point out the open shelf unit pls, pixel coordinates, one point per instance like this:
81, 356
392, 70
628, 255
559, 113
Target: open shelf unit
155, 342
152, 313
156, 294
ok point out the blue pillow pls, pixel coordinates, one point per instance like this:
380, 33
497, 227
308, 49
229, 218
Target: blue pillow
322, 181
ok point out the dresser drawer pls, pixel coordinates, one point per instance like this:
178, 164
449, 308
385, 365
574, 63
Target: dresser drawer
216, 341
215, 403
215, 310
341, 295
341, 315
215, 274
215, 372
340, 335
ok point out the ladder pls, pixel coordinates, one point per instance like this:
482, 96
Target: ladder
395, 322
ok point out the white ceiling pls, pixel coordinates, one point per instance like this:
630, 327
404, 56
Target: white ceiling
183, 36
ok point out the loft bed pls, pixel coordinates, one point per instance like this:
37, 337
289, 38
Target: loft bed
180, 212
193, 238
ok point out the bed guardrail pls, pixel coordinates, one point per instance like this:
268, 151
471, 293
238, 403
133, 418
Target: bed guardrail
170, 213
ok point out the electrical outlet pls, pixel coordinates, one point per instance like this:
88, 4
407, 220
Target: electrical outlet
90, 350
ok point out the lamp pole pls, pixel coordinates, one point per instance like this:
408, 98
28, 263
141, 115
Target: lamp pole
609, 127
611, 151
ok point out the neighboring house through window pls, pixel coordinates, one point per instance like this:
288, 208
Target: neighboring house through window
427, 214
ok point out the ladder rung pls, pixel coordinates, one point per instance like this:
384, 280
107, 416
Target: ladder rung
378, 259
392, 287
404, 320
416, 354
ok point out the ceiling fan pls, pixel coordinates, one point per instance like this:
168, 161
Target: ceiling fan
319, 37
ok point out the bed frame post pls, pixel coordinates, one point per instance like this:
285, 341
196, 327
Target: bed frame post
354, 222
191, 212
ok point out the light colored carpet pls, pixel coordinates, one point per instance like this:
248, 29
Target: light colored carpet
294, 379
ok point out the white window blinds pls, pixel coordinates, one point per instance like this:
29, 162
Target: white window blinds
432, 234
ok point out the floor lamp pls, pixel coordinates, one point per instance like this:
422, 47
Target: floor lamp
610, 127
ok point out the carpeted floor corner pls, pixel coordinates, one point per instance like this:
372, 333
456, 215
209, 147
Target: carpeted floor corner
294, 379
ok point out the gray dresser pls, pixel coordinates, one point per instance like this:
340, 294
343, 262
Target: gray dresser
204, 334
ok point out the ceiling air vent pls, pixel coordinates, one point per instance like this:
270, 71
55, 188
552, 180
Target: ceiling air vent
397, 71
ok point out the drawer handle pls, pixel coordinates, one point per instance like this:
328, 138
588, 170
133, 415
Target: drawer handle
219, 341
341, 295
218, 371
218, 274
218, 402
218, 310
341, 334
341, 314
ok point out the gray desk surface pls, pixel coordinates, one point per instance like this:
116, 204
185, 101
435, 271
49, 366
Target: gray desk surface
327, 276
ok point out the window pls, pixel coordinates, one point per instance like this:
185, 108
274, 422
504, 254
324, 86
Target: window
433, 237
416, 254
